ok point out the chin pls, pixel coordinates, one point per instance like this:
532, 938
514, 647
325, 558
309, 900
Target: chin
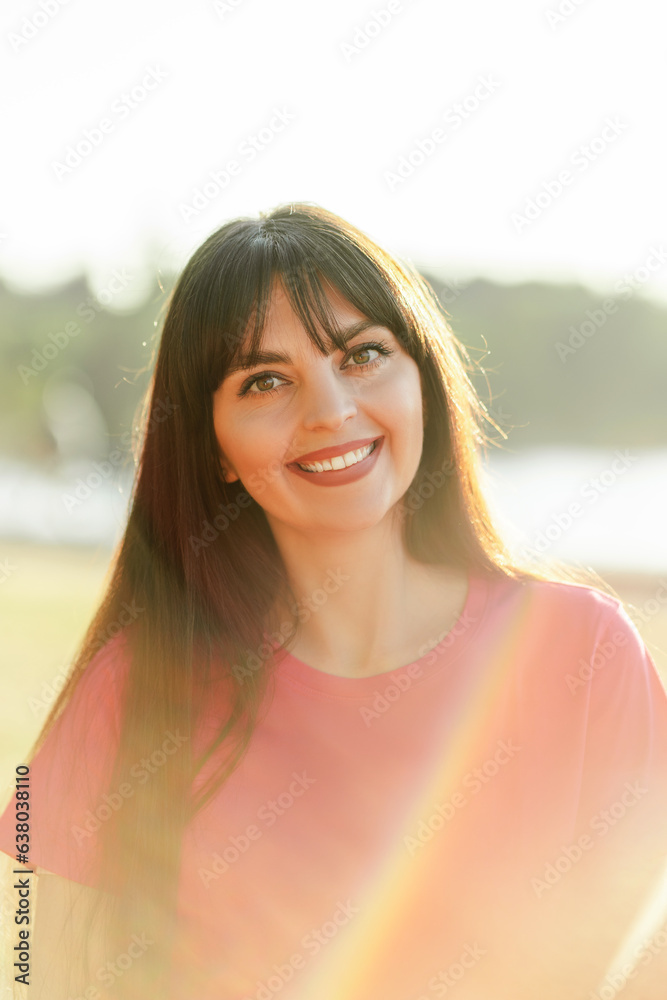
350, 521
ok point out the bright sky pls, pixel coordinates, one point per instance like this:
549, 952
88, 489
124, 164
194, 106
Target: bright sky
429, 125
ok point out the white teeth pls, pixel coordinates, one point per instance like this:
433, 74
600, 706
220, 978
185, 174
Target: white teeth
340, 461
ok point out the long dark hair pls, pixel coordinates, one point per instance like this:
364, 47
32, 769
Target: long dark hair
198, 556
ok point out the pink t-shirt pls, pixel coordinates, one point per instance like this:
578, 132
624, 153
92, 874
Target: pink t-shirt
489, 821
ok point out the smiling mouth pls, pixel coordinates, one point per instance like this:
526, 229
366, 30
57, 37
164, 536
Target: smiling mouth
340, 461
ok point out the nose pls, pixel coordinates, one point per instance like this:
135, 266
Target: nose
327, 398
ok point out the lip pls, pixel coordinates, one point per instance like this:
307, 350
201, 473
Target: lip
332, 452
339, 477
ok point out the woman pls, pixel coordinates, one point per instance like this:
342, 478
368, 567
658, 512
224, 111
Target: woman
337, 742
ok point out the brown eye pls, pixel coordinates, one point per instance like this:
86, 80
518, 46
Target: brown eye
369, 356
362, 350
260, 383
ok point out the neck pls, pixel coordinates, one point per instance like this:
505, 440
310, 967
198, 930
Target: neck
363, 601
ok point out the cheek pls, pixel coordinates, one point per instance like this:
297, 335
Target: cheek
407, 423
254, 447
402, 398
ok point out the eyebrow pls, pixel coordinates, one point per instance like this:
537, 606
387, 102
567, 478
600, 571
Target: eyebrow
248, 361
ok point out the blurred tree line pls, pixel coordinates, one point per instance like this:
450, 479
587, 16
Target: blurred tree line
561, 364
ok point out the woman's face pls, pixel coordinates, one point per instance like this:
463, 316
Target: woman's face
268, 416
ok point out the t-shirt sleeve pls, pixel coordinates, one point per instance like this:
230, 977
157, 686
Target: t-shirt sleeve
591, 787
70, 797
625, 711
623, 803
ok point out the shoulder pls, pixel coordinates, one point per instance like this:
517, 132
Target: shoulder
71, 768
571, 609
571, 639
560, 593
102, 681
109, 662
85, 734
598, 618
594, 654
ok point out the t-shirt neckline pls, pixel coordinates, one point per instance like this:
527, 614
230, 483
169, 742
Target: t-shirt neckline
296, 673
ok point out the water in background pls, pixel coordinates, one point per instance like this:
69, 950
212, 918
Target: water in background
606, 509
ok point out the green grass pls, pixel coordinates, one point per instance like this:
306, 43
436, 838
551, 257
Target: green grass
46, 602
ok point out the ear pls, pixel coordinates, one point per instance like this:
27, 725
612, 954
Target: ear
229, 475
228, 472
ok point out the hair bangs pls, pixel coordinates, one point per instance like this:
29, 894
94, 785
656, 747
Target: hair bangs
308, 262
